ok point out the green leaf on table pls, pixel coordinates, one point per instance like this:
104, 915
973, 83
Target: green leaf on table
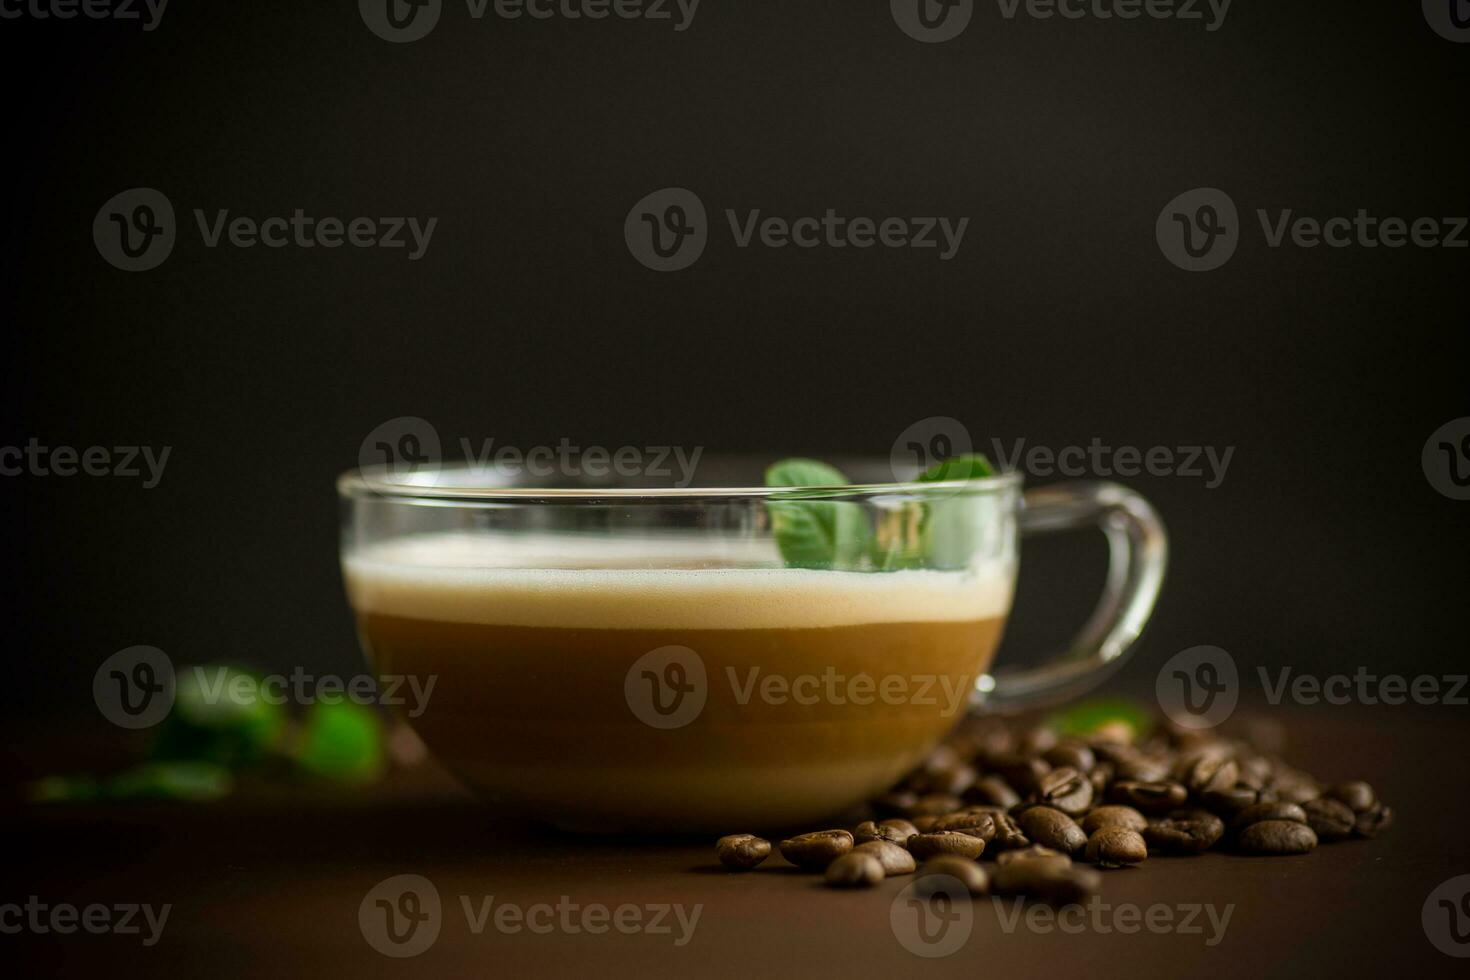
816, 533
342, 742
220, 716
1092, 715
195, 782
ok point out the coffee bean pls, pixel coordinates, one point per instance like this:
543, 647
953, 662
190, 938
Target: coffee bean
1331, 820
1071, 754
1232, 800
1021, 772
1066, 789
813, 852
897, 804
934, 805
1184, 832
1373, 820
1034, 853
741, 852
893, 831
1037, 741
924, 824
1277, 837
992, 790
1101, 777
894, 859
924, 846
1052, 828
935, 872
1256, 771
1358, 795
1138, 768
854, 871
1256, 812
1113, 816
1116, 847
951, 781
1045, 880
1210, 773
1157, 797
974, 820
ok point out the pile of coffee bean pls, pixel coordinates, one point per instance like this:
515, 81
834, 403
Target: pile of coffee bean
1036, 802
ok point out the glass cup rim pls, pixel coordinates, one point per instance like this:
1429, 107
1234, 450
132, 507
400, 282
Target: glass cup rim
381, 483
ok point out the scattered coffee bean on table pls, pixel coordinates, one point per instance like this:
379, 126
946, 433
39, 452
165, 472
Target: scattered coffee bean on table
741, 852
894, 859
815, 851
854, 870
935, 873
1116, 847
1031, 800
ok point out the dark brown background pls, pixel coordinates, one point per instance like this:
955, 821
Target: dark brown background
1324, 550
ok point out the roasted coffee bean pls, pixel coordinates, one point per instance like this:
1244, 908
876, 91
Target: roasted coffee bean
1256, 771
1023, 773
1066, 789
954, 781
1210, 773
1256, 812
1373, 820
1294, 786
896, 804
1008, 834
992, 790
1034, 853
1276, 837
854, 870
1358, 795
1052, 828
1184, 832
932, 876
894, 831
1071, 754
894, 859
1116, 847
971, 818
1232, 800
1331, 820
924, 846
924, 824
1037, 741
1159, 797
1101, 777
741, 852
934, 805
1045, 880
1113, 816
813, 852
1138, 768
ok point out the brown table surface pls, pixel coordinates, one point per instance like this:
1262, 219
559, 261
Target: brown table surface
270, 883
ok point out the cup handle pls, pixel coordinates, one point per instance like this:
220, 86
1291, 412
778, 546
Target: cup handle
1137, 555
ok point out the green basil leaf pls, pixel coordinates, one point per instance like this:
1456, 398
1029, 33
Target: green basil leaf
816, 533
975, 466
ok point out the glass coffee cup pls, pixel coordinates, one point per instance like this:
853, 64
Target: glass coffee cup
642, 658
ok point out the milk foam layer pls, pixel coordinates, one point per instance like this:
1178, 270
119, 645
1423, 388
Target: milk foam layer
626, 583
